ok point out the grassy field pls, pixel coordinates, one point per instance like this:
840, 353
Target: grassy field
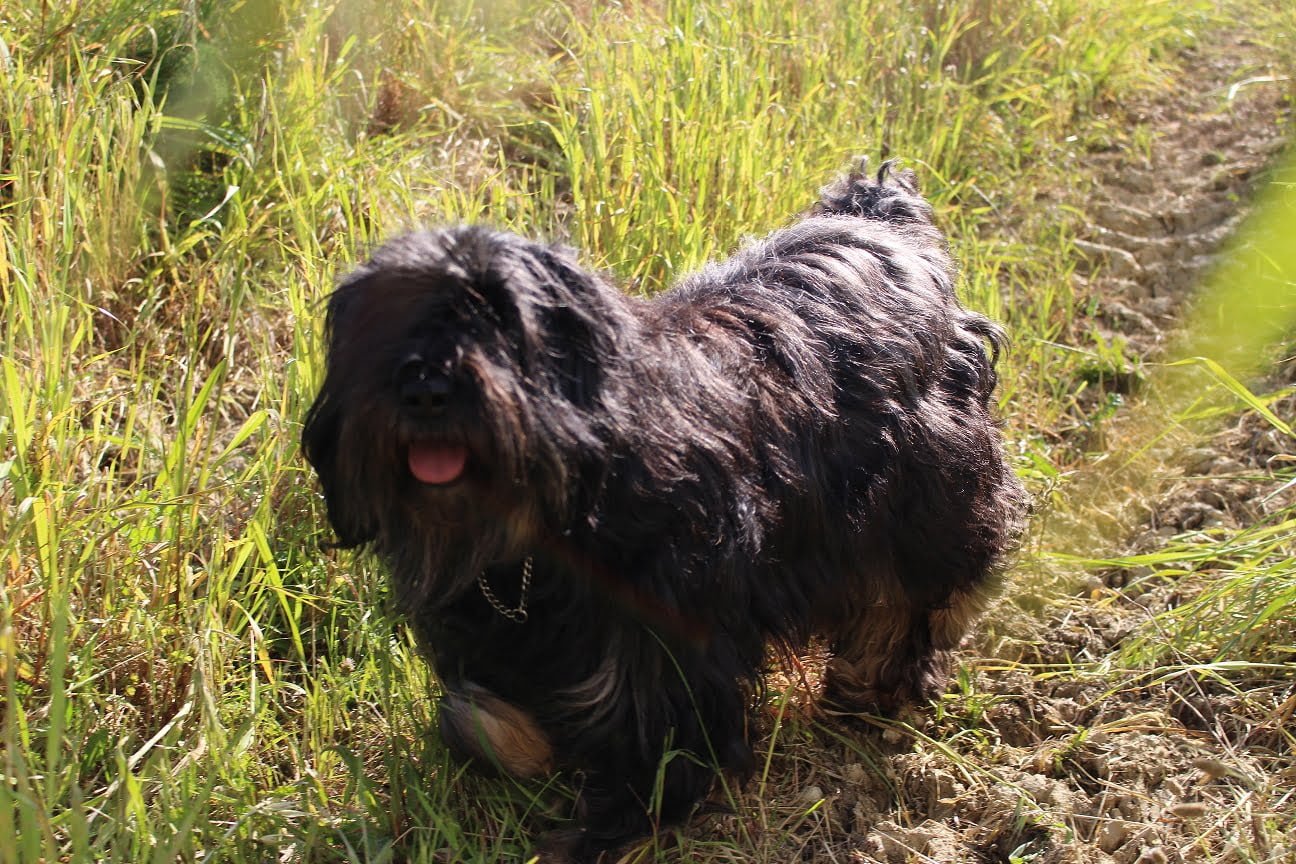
187, 676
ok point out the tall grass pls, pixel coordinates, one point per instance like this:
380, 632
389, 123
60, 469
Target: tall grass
719, 122
186, 673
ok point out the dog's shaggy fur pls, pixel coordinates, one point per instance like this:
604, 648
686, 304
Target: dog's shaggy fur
600, 513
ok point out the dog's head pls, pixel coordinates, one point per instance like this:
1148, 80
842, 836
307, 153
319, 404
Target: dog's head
459, 412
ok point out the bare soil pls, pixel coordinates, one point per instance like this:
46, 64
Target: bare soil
1037, 754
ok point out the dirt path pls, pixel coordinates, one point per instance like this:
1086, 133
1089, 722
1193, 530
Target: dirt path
1173, 770
1036, 760
1160, 218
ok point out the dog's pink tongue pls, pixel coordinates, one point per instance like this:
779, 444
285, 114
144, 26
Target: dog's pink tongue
437, 463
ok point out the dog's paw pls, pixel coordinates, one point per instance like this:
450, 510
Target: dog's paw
906, 686
565, 846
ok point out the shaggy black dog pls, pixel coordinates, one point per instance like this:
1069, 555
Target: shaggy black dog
601, 513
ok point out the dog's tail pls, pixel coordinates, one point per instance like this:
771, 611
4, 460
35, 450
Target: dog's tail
890, 196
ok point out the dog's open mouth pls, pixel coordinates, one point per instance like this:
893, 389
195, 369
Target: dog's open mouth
437, 463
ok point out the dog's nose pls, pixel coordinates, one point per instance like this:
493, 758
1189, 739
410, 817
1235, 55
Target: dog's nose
422, 389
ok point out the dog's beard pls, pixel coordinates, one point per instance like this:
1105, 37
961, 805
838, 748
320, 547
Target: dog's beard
438, 560
440, 540
447, 500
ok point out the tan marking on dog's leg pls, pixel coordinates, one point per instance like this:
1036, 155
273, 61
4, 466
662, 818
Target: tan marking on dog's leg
950, 623
860, 674
891, 655
486, 728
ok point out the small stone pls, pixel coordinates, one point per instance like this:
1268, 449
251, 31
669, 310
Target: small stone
1117, 262
1112, 835
1189, 810
1212, 768
854, 773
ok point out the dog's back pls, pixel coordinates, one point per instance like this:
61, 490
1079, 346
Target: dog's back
881, 501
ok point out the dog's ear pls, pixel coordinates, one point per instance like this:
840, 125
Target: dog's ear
352, 522
574, 330
353, 526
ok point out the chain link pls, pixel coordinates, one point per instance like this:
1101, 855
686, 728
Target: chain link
518, 614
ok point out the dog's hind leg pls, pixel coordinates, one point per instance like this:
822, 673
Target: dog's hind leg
893, 653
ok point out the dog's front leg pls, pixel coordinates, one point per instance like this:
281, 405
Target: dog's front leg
620, 804
651, 754
484, 730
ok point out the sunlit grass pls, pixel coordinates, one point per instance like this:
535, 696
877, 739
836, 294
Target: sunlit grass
187, 674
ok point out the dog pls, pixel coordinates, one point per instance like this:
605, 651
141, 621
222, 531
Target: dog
603, 514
